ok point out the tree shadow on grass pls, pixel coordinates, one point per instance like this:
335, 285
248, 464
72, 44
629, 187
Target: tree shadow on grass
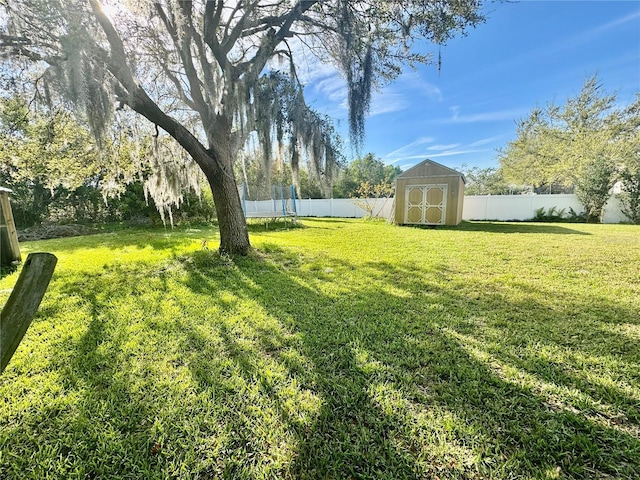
405, 396
87, 419
515, 227
260, 367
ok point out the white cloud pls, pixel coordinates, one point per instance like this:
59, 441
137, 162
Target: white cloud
327, 87
333, 87
420, 86
386, 102
432, 91
495, 116
407, 89
453, 153
450, 153
421, 149
443, 147
487, 141
406, 149
592, 34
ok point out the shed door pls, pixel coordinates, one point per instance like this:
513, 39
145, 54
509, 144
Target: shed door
426, 204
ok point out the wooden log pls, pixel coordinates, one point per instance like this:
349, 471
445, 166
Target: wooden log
23, 302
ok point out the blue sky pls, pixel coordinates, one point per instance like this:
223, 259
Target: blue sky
525, 55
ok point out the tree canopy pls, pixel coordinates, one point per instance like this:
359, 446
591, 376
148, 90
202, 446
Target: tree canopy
487, 181
199, 70
368, 168
582, 143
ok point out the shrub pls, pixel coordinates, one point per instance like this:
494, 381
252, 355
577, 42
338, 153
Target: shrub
558, 215
367, 195
630, 196
593, 187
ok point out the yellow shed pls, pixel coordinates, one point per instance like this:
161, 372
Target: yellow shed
429, 194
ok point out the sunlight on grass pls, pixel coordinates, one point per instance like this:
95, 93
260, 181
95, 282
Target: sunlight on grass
340, 349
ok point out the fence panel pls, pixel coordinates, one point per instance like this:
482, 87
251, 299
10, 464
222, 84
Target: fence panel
515, 207
476, 207
523, 207
342, 207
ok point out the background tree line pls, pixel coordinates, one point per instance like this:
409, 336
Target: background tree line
587, 144
584, 146
59, 174
206, 73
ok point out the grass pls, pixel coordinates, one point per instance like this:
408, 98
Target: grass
342, 349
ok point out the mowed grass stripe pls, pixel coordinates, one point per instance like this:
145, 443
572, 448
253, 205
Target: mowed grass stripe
341, 349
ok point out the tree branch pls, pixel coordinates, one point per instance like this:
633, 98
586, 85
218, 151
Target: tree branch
211, 23
118, 65
269, 42
184, 51
137, 98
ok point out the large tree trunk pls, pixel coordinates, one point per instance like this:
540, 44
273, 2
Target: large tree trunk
234, 238
217, 165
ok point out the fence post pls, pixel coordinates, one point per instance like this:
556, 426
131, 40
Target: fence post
8, 231
23, 302
244, 198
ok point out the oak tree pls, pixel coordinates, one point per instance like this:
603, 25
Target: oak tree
196, 69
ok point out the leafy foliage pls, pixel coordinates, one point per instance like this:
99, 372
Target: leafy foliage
199, 70
593, 187
555, 214
552, 215
488, 181
630, 196
369, 169
368, 194
47, 159
58, 173
629, 173
579, 144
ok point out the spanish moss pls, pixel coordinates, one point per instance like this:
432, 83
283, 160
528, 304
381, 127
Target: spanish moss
277, 111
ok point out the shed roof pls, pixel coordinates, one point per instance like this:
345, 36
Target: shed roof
441, 169
8, 190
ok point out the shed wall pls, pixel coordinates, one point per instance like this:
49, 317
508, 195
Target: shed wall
455, 192
460, 200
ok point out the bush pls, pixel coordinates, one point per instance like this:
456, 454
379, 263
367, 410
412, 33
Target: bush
367, 195
196, 209
593, 187
558, 215
630, 196
553, 215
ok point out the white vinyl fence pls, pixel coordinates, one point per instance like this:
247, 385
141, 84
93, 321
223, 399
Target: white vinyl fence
332, 207
476, 207
523, 207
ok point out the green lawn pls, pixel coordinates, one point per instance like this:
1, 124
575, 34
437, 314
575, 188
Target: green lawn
342, 349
